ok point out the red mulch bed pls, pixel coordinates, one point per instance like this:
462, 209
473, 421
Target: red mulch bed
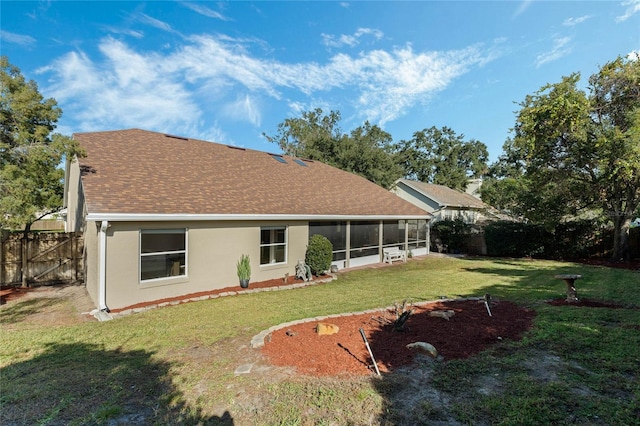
8, 293
278, 282
468, 332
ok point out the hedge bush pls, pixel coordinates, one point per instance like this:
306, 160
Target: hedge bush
451, 234
571, 240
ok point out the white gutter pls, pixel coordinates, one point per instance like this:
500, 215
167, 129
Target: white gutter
156, 217
102, 298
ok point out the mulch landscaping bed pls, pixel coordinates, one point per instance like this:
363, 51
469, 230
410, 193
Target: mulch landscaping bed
468, 332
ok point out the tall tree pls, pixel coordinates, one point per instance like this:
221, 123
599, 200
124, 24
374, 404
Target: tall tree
581, 150
30, 180
366, 151
440, 156
314, 135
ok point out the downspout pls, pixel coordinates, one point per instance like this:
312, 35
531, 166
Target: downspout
102, 298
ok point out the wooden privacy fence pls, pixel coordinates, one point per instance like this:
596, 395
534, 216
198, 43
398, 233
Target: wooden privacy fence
52, 258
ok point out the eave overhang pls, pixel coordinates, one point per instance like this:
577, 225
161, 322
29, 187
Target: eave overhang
158, 217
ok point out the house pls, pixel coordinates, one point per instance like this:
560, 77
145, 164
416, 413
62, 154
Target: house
165, 216
443, 202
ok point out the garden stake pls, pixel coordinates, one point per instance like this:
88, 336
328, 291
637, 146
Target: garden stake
487, 300
369, 349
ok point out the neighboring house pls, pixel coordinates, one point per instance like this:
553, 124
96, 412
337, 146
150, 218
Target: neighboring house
444, 203
166, 216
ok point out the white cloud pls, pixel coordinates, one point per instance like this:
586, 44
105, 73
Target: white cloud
148, 20
127, 90
173, 92
559, 50
350, 40
124, 31
633, 7
524, 5
387, 82
570, 22
634, 55
244, 109
20, 39
205, 11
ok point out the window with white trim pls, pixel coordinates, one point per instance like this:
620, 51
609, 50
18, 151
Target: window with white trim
163, 253
273, 245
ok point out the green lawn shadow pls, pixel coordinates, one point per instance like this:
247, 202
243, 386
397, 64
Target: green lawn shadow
79, 383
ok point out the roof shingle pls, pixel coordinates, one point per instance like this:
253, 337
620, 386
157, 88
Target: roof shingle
140, 172
446, 196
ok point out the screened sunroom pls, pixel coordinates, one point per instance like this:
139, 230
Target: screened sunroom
360, 242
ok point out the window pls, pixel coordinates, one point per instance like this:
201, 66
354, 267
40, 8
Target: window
163, 253
273, 245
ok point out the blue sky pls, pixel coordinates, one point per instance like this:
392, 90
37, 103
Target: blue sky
229, 71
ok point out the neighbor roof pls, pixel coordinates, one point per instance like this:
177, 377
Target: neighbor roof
140, 172
445, 196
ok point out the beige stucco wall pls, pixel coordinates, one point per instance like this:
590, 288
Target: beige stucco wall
212, 252
74, 198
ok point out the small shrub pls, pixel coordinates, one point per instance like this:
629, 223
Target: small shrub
319, 254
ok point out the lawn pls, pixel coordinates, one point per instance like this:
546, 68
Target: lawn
176, 365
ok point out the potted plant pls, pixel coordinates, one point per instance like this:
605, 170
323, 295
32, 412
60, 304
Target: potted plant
244, 270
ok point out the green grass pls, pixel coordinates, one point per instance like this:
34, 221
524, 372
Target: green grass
175, 365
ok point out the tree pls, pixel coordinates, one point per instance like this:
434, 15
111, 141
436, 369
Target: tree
366, 151
314, 136
581, 151
31, 182
508, 188
440, 156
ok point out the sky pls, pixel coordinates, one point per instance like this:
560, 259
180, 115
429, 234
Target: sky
230, 72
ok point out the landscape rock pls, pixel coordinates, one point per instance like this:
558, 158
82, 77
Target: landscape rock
424, 347
326, 329
442, 314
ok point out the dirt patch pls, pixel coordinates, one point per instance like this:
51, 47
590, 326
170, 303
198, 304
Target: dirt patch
57, 305
467, 332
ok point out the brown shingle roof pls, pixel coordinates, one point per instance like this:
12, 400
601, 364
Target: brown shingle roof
140, 172
446, 196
